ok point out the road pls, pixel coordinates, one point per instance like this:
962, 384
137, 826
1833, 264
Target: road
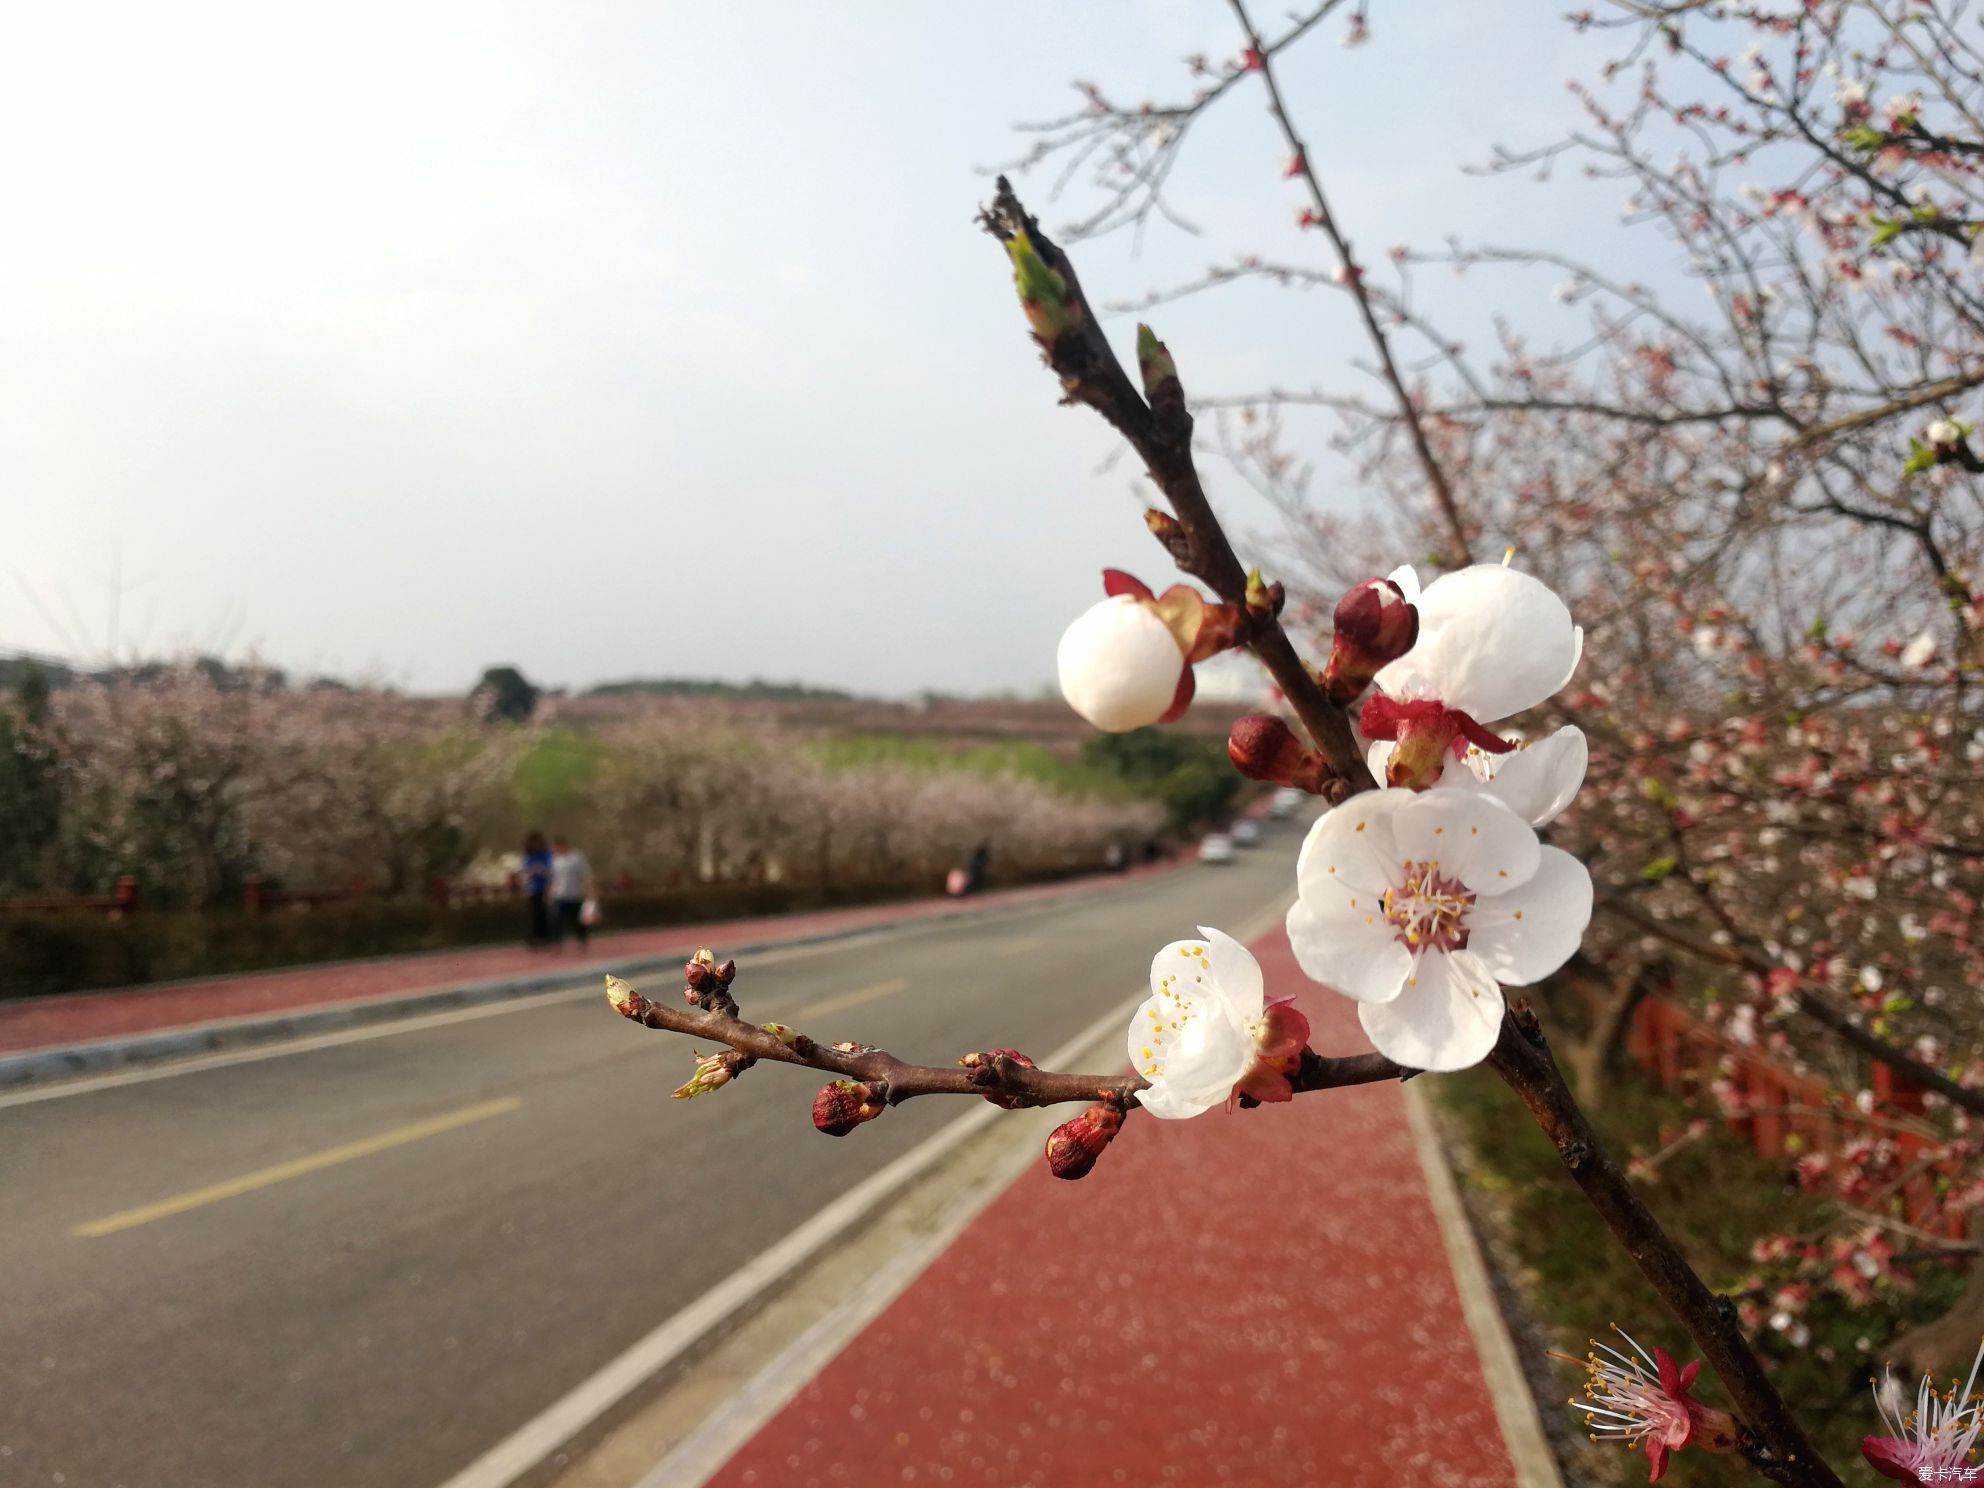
364, 1264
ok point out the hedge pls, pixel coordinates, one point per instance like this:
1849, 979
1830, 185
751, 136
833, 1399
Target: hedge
71, 951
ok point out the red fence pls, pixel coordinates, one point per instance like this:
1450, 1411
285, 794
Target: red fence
1778, 1104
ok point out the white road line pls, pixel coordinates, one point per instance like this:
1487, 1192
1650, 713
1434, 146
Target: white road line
520, 1452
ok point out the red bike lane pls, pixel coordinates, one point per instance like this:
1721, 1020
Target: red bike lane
1261, 1299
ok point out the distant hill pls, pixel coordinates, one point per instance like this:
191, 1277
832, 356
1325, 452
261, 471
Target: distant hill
754, 691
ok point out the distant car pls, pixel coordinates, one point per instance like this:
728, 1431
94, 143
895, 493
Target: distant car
1246, 833
1287, 801
1216, 848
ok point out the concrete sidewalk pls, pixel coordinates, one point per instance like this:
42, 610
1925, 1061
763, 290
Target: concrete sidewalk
48, 1023
1263, 1299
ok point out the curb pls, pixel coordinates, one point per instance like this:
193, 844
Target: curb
1501, 1368
64, 1061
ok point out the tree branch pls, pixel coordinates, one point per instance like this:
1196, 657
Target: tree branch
1773, 1441
1091, 374
895, 1080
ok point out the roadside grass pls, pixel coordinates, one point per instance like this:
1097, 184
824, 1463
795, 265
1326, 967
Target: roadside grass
1014, 757
551, 779
1715, 1196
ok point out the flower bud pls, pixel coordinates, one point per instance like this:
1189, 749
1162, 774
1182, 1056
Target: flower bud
989, 1060
1050, 309
698, 974
1262, 747
1263, 598
1168, 530
1120, 665
1375, 624
842, 1106
1073, 1146
713, 1072
1162, 389
1943, 434
626, 1001
785, 1035
725, 974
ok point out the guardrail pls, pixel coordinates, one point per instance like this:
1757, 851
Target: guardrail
1783, 1112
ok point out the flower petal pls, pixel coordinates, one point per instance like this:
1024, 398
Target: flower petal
1527, 933
1357, 953
1539, 780
1890, 1458
1470, 834
1447, 1018
1236, 974
1492, 642
1350, 846
1405, 578
1168, 1104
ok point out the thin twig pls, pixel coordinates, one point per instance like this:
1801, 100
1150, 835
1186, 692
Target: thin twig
1429, 463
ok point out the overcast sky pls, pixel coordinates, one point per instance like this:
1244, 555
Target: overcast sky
647, 339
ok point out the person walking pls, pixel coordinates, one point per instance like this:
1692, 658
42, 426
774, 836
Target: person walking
571, 887
535, 872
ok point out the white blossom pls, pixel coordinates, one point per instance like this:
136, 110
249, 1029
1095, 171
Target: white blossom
1208, 1031
1421, 906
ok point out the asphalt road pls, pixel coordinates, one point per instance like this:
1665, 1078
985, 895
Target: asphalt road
363, 1265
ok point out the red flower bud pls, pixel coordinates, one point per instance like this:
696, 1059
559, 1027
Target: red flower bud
990, 1058
842, 1106
1374, 625
725, 974
1262, 747
1073, 1146
699, 976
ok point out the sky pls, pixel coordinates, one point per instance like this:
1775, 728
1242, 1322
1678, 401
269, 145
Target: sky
611, 340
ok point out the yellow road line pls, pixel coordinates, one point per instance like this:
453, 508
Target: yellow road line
282, 1172
852, 999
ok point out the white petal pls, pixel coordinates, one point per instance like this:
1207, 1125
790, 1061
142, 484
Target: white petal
1119, 664
1539, 780
1146, 1041
1492, 642
1358, 954
1470, 834
1447, 1018
1203, 1056
1166, 964
1352, 845
1236, 974
1164, 1102
1405, 578
1524, 935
